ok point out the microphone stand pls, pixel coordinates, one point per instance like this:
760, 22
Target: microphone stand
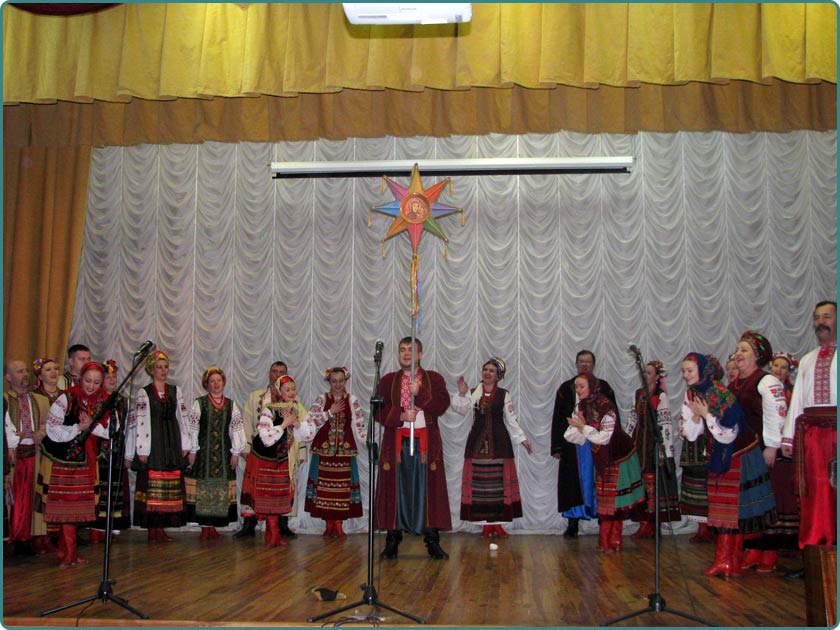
370, 597
656, 603
105, 592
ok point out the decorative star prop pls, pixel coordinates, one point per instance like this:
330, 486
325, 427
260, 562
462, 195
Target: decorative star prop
415, 209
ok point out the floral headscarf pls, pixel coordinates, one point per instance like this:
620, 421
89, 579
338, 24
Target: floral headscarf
760, 345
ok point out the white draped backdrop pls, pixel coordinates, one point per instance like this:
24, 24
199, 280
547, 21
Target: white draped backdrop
199, 249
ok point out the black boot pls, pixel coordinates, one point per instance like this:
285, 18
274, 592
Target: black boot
392, 543
572, 528
432, 540
284, 528
249, 528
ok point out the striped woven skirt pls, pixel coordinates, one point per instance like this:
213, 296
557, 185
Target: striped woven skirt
490, 490
332, 489
273, 492
69, 491
741, 499
619, 488
694, 496
159, 499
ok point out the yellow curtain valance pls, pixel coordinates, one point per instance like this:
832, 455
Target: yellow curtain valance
194, 50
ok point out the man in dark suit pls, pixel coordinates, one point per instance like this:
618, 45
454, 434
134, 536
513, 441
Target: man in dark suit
571, 493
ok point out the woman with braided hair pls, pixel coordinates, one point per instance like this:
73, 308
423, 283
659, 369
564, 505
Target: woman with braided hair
618, 474
740, 496
489, 483
332, 490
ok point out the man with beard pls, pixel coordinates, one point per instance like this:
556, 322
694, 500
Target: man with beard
575, 500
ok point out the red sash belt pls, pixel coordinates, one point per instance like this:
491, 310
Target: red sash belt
420, 434
825, 417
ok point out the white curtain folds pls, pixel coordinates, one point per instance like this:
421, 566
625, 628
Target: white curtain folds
197, 248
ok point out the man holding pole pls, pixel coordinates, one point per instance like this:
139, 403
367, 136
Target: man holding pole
412, 494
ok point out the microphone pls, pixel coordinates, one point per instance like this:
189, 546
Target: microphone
377, 353
634, 349
145, 347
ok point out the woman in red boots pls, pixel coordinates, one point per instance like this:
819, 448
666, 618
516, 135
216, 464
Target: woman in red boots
740, 495
618, 473
68, 481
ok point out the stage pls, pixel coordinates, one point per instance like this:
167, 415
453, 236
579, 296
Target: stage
531, 580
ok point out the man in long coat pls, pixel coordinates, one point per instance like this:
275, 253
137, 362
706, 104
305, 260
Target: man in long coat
412, 494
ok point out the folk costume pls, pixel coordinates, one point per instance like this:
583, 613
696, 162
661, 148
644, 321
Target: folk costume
811, 428
412, 493
161, 433
650, 458
271, 487
216, 434
761, 396
576, 497
619, 475
68, 475
25, 424
489, 483
740, 494
333, 492
120, 489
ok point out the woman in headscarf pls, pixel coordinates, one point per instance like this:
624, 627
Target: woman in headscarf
217, 435
160, 445
762, 398
46, 378
332, 490
67, 482
280, 424
639, 427
120, 491
618, 473
740, 496
489, 484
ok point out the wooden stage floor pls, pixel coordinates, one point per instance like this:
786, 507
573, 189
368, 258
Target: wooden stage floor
532, 580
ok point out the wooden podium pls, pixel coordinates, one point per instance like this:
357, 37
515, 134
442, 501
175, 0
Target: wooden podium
821, 585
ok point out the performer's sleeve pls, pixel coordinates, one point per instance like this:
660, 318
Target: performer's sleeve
632, 422
269, 434
317, 414
690, 430
189, 441
390, 416
604, 434
666, 423
236, 430
797, 405
12, 438
517, 435
56, 429
130, 435
773, 409
724, 435
358, 420
143, 424
436, 402
461, 404
307, 430
194, 425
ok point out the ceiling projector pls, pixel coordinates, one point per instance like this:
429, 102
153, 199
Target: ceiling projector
419, 13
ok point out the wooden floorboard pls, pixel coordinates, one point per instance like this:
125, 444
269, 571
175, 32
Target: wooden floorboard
532, 580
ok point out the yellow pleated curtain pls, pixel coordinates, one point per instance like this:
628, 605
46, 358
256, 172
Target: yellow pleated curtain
190, 72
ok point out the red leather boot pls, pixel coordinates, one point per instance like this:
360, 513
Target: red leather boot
723, 556
338, 530
645, 530
604, 530
615, 535
768, 561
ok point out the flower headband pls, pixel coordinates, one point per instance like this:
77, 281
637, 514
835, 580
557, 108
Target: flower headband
792, 360
154, 357
334, 370
109, 366
38, 364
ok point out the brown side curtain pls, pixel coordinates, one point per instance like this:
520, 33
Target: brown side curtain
44, 204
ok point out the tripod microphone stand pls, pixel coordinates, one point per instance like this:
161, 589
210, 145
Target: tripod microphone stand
105, 592
656, 603
370, 597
